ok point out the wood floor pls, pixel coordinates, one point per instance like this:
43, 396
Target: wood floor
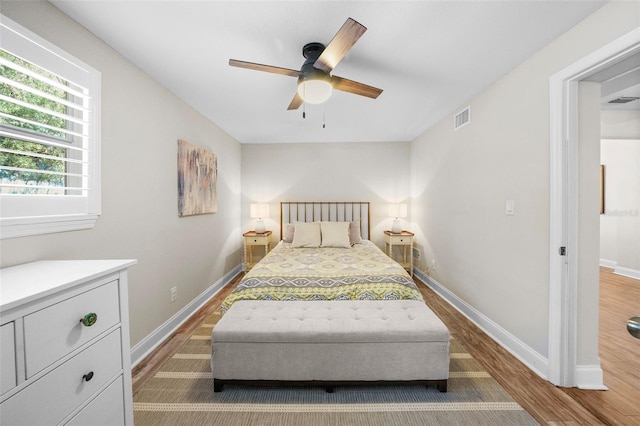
619, 353
550, 405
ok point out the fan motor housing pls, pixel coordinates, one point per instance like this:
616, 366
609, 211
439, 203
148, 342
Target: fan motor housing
311, 51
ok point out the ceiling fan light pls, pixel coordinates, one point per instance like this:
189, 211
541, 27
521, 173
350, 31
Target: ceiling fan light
314, 91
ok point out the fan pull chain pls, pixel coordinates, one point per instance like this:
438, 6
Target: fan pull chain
323, 119
304, 111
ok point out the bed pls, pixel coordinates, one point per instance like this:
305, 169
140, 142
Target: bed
326, 295
351, 268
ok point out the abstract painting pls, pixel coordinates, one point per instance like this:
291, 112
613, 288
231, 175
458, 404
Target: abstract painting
197, 176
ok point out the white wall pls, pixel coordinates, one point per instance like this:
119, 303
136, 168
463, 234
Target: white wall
374, 172
620, 124
495, 263
620, 226
141, 123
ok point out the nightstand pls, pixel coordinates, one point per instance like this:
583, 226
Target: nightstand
252, 238
405, 240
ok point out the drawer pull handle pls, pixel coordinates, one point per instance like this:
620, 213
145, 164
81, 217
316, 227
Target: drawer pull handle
87, 377
89, 319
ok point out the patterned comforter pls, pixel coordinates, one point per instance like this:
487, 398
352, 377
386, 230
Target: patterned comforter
361, 272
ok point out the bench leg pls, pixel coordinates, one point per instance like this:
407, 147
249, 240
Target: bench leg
217, 385
442, 385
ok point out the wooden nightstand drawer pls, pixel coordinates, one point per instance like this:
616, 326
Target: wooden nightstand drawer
257, 241
53, 332
397, 240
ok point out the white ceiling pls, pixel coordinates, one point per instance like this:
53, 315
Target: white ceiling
428, 56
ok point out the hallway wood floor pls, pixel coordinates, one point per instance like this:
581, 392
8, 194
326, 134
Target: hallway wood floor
549, 404
619, 353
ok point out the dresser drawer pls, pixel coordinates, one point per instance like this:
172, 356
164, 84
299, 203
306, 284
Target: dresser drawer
8, 379
53, 332
107, 409
51, 398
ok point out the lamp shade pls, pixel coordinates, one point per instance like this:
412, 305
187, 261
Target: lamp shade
258, 211
398, 210
314, 91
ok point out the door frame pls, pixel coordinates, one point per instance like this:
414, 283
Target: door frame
563, 212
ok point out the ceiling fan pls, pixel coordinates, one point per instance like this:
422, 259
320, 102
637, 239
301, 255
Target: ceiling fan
315, 81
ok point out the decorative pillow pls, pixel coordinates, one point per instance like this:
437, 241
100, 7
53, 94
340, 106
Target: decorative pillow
335, 234
306, 235
288, 232
355, 236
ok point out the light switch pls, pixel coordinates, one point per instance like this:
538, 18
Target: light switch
511, 206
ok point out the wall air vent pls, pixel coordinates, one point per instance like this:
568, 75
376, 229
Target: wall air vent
624, 100
462, 118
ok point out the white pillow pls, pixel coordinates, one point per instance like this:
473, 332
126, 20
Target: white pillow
288, 232
355, 235
306, 235
335, 234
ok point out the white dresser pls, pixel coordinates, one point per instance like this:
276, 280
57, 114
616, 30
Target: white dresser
64, 348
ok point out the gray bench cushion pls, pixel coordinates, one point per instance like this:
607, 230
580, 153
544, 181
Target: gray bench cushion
349, 321
330, 341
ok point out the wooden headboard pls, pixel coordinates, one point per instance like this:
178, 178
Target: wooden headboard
330, 211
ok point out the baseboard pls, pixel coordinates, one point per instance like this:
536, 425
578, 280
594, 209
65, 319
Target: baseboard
532, 359
627, 272
620, 270
160, 334
608, 263
590, 377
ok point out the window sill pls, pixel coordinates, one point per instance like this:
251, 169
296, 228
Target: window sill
39, 225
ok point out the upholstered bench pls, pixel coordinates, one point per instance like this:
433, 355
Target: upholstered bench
330, 343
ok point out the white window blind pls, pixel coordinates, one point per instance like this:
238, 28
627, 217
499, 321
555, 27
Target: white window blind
49, 136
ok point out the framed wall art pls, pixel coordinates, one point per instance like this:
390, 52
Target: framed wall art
197, 176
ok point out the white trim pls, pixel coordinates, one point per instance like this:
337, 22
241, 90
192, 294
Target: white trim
27, 226
590, 377
160, 334
606, 263
563, 214
528, 356
627, 272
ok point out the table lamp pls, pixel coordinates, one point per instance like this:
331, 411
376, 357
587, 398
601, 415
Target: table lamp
397, 211
259, 211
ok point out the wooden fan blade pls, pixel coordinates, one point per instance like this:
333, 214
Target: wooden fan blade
341, 43
265, 68
354, 87
295, 102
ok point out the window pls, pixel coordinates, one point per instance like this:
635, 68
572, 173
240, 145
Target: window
49, 136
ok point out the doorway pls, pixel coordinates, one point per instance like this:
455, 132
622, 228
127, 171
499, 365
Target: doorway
564, 313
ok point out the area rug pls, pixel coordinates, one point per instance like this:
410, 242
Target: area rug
181, 393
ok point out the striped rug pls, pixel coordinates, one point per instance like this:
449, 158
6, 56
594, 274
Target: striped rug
181, 393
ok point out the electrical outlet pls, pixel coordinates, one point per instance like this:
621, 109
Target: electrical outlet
174, 294
433, 264
416, 253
